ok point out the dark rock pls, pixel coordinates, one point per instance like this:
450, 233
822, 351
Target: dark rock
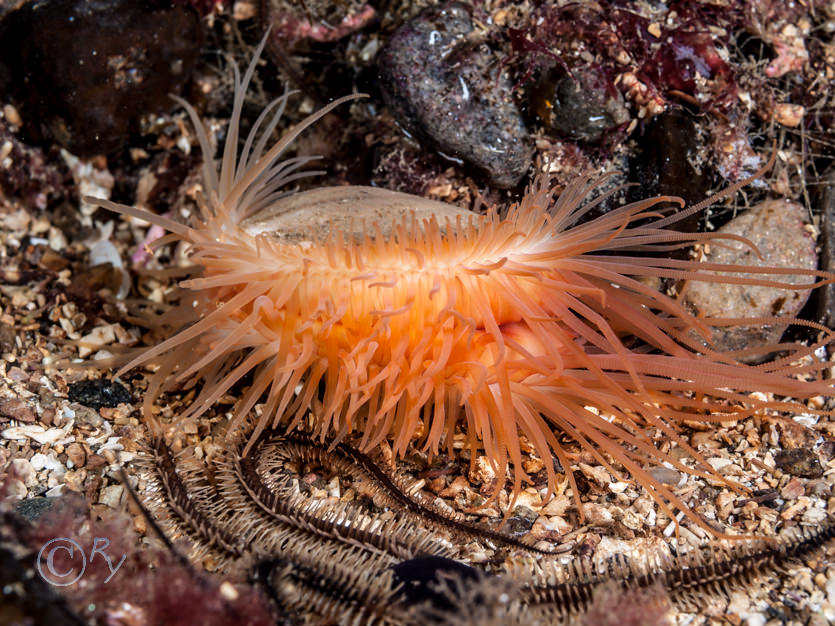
827, 449
83, 73
665, 163
799, 462
778, 229
579, 105
520, 522
448, 88
99, 393
419, 577
32, 508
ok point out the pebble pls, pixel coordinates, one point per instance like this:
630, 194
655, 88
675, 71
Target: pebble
76, 454
41, 461
557, 506
83, 73
530, 499
665, 475
718, 463
796, 435
793, 489
17, 409
596, 473
632, 520
111, 496
32, 508
483, 473
15, 489
521, 522
37, 433
85, 415
779, 230
547, 529
597, 515
55, 491
799, 462
7, 338
814, 515
98, 337
448, 89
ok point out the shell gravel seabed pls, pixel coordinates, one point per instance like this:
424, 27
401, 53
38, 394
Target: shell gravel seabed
52, 444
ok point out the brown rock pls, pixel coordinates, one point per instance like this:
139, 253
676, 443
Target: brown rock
94, 461
457, 486
92, 489
77, 454
7, 338
17, 409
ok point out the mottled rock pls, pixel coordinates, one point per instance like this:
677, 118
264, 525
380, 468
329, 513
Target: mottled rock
520, 522
779, 230
597, 515
446, 86
32, 508
83, 73
794, 435
24, 471
799, 462
99, 393
16, 409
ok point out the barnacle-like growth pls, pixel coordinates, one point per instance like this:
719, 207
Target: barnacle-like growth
516, 324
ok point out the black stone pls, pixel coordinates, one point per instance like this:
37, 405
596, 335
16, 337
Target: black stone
98, 393
420, 575
664, 165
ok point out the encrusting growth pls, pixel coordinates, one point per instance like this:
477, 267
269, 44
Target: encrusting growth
506, 325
